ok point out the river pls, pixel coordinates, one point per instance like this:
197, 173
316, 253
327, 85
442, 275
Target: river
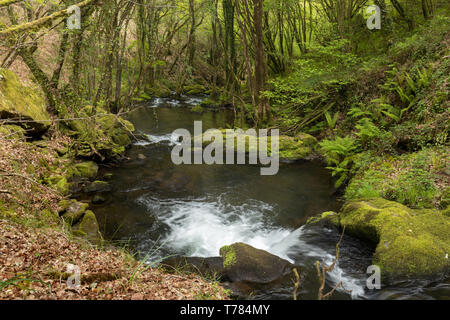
159, 209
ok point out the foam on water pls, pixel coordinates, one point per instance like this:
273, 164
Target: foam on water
171, 138
201, 227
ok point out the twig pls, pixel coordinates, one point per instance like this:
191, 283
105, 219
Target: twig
297, 282
322, 271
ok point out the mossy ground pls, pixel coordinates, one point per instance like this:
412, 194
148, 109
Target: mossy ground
419, 180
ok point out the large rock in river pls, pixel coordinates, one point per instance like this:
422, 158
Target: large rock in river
409, 242
244, 263
18, 102
241, 268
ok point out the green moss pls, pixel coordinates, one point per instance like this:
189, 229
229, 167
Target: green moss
194, 89
12, 132
18, 101
87, 170
197, 109
63, 186
89, 226
290, 148
329, 216
49, 217
105, 136
409, 242
229, 256
72, 211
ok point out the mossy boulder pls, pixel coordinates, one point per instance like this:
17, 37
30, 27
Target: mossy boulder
408, 242
89, 228
11, 132
197, 109
60, 183
63, 186
244, 263
72, 210
295, 148
194, 89
98, 186
20, 102
103, 136
87, 170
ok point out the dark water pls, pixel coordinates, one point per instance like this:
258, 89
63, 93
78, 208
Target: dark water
160, 209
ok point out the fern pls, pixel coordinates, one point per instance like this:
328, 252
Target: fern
332, 121
339, 154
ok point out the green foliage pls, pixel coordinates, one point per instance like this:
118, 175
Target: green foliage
332, 120
417, 180
339, 154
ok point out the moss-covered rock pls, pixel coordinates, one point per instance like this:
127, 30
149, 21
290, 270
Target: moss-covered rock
63, 186
290, 148
98, 186
408, 242
197, 109
326, 217
89, 227
244, 263
103, 136
11, 132
87, 170
194, 89
296, 148
72, 210
20, 102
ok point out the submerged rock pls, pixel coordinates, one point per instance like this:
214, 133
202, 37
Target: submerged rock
409, 242
98, 199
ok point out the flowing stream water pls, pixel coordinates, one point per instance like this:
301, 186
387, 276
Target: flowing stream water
160, 209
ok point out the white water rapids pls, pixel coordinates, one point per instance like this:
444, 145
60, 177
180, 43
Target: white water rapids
199, 228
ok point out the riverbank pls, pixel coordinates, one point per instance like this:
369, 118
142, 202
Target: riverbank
44, 159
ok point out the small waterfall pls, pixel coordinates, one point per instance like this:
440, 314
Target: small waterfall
201, 227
